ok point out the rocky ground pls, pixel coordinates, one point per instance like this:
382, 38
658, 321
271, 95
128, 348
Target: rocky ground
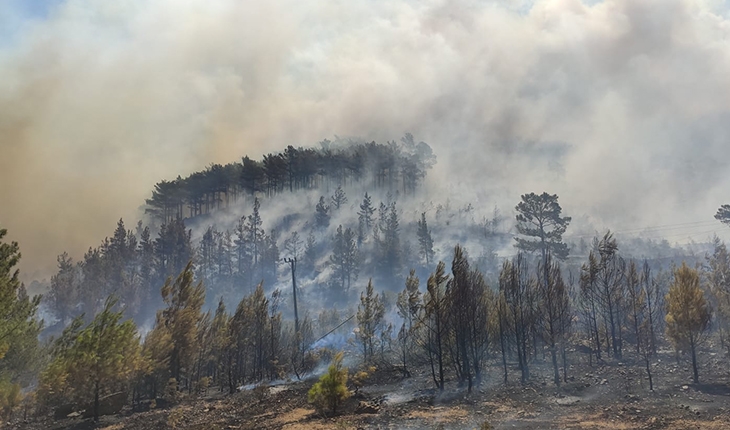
611, 396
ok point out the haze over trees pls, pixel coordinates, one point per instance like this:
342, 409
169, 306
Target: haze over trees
400, 166
198, 298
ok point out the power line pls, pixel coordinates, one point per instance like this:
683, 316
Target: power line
655, 229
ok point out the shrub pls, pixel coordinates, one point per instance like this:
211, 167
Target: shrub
9, 399
358, 379
203, 384
331, 390
172, 394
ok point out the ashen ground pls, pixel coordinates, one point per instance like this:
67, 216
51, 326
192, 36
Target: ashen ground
611, 396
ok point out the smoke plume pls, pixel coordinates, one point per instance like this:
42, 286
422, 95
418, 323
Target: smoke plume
621, 107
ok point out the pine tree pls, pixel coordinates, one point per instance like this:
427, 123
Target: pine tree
370, 313
610, 277
344, 259
173, 249
554, 306
539, 219
719, 279
220, 341
517, 285
255, 235
436, 321
156, 351
339, 198
100, 358
637, 302
331, 389
206, 256
425, 242
589, 304
688, 314
723, 214
17, 310
183, 300
269, 258
63, 296
654, 307
322, 214
409, 307
145, 261
387, 243
469, 302
243, 257
224, 255
310, 255
293, 246
365, 218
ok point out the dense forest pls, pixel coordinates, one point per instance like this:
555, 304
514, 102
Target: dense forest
199, 295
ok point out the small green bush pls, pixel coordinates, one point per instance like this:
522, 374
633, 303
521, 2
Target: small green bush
331, 390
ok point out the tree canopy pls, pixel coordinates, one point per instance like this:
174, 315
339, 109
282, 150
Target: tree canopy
538, 218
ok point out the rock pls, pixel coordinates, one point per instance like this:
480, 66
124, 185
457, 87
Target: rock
604, 381
568, 401
685, 387
73, 415
367, 408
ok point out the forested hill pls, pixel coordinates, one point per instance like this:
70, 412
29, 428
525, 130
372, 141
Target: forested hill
204, 284
393, 165
345, 210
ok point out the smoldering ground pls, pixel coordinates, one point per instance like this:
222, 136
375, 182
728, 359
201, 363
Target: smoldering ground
619, 106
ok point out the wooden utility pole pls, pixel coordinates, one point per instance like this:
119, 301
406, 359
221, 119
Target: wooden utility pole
293, 263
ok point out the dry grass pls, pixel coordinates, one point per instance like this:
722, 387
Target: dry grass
720, 424
439, 414
113, 427
293, 416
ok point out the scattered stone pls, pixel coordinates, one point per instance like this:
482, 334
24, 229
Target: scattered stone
73, 415
367, 408
604, 381
568, 401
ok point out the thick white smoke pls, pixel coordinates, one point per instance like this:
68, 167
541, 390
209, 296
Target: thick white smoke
620, 106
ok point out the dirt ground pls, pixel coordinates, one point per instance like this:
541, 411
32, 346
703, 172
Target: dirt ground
614, 395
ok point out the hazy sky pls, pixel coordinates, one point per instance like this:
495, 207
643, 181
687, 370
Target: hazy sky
622, 107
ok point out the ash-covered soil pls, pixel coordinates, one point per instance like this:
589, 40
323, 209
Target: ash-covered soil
614, 395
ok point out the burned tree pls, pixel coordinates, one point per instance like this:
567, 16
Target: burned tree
436, 323
370, 314
409, 308
516, 284
554, 306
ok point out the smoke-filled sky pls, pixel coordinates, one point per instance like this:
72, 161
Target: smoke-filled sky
622, 107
